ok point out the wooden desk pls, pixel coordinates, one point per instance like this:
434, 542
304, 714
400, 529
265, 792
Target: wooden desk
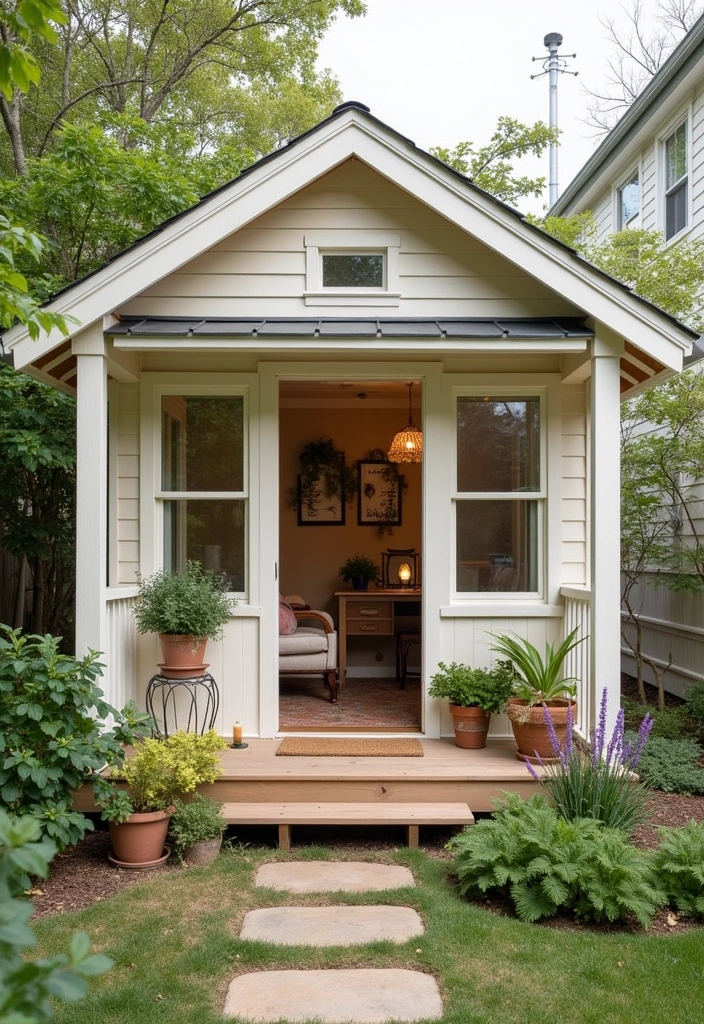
368, 613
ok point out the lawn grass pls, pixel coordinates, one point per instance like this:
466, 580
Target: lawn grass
174, 940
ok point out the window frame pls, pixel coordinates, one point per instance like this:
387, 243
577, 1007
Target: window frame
621, 225
339, 243
684, 120
542, 496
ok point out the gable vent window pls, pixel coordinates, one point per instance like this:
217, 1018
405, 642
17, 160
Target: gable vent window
353, 270
676, 182
628, 199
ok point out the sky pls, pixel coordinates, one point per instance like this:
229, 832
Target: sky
443, 71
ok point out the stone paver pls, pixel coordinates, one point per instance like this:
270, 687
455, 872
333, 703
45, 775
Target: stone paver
331, 997
331, 926
328, 876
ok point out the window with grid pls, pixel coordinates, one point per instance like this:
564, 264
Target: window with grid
499, 495
204, 484
676, 182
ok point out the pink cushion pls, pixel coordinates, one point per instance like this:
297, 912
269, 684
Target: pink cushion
287, 619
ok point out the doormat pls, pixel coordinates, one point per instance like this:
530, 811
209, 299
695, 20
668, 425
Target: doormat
304, 746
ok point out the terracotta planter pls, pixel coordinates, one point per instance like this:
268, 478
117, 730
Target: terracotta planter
204, 851
471, 726
530, 729
183, 655
139, 840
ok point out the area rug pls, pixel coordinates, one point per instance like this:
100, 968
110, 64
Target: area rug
365, 704
304, 746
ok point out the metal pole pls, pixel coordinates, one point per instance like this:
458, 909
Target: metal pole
553, 41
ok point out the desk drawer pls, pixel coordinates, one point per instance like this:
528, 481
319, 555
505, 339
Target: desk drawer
369, 610
370, 627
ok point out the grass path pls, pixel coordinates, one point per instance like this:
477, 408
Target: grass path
174, 940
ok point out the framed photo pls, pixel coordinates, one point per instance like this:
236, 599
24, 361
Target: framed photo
315, 508
379, 494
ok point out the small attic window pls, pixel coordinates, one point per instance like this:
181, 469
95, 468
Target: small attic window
353, 270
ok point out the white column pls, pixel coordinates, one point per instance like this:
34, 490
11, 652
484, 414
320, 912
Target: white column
267, 584
91, 492
605, 539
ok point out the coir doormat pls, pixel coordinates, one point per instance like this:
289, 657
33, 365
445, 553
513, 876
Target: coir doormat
304, 746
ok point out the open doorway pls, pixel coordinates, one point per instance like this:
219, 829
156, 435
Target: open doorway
379, 630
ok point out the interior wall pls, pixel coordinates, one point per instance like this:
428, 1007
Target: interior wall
310, 556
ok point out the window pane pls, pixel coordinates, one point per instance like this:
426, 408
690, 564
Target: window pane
498, 444
628, 203
676, 210
353, 271
211, 532
497, 546
676, 156
202, 443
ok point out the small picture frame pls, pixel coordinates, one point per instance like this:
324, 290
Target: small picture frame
315, 508
379, 494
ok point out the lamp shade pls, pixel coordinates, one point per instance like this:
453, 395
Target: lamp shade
407, 445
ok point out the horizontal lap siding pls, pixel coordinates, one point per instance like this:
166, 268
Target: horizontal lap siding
698, 167
574, 485
260, 270
128, 483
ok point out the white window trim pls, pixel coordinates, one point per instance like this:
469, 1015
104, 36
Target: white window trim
636, 169
684, 117
342, 242
547, 389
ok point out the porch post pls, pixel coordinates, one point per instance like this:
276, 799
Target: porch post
605, 538
91, 492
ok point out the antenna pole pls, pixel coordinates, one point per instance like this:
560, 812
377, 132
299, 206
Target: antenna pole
553, 65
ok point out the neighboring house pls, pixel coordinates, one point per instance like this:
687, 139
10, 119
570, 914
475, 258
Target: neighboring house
649, 173
295, 303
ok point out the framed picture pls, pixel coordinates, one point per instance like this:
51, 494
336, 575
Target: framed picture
315, 508
379, 494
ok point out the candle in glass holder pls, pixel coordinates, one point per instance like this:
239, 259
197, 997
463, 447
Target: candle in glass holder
404, 573
237, 733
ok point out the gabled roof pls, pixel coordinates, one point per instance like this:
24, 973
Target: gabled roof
666, 90
351, 131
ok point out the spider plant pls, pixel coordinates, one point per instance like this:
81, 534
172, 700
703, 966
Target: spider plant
541, 676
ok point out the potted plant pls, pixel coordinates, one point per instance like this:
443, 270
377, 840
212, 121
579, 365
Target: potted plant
195, 830
186, 609
473, 694
359, 570
541, 688
157, 774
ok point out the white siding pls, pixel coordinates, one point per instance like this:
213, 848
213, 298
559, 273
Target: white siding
574, 485
127, 508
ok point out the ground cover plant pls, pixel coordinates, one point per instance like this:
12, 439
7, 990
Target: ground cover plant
672, 765
174, 939
679, 863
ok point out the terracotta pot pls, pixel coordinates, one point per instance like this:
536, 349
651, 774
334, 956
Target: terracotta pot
202, 852
183, 655
140, 839
471, 726
530, 729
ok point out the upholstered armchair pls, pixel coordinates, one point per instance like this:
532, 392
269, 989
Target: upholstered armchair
311, 649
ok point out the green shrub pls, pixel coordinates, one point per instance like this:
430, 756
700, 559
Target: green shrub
474, 687
679, 865
27, 986
52, 736
546, 864
671, 765
191, 822
695, 705
186, 603
670, 723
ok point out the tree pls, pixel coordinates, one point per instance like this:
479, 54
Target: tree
490, 167
643, 36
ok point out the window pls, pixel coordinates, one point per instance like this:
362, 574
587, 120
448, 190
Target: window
203, 484
499, 495
676, 179
628, 204
352, 268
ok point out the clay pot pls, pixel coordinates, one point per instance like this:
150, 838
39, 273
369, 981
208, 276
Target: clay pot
204, 851
183, 655
140, 840
471, 726
530, 729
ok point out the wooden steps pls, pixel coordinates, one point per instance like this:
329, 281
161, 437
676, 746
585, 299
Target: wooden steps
347, 813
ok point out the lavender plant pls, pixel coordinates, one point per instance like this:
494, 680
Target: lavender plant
601, 784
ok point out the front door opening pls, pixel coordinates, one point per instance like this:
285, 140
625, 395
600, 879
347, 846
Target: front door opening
375, 513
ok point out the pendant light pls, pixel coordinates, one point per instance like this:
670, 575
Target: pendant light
407, 446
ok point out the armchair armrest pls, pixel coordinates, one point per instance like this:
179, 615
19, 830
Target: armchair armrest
322, 617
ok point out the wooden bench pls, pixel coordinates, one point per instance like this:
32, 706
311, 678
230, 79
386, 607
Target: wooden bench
328, 813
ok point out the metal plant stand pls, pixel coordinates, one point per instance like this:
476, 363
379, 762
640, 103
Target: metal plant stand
188, 704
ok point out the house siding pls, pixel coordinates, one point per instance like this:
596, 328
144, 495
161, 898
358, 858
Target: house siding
574, 485
126, 508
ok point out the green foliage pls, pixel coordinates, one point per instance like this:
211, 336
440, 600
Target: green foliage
194, 821
672, 765
474, 687
546, 864
52, 736
16, 301
27, 987
695, 705
323, 472
674, 723
678, 863
358, 567
19, 26
162, 770
490, 167
540, 677
186, 603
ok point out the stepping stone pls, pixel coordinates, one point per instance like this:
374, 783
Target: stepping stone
333, 876
332, 997
331, 926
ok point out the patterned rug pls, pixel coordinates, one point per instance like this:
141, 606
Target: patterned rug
363, 704
315, 746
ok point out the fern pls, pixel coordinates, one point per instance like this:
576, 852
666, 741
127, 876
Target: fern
679, 865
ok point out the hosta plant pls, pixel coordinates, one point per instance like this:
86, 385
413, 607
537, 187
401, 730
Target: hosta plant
679, 865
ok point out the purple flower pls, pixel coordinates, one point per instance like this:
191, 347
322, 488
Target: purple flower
634, 755
614, 751
599, 734
533, 772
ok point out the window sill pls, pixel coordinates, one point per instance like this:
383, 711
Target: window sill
355, 298
482, 609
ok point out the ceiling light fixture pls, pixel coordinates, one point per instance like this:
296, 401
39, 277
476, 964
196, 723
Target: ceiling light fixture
407, 445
